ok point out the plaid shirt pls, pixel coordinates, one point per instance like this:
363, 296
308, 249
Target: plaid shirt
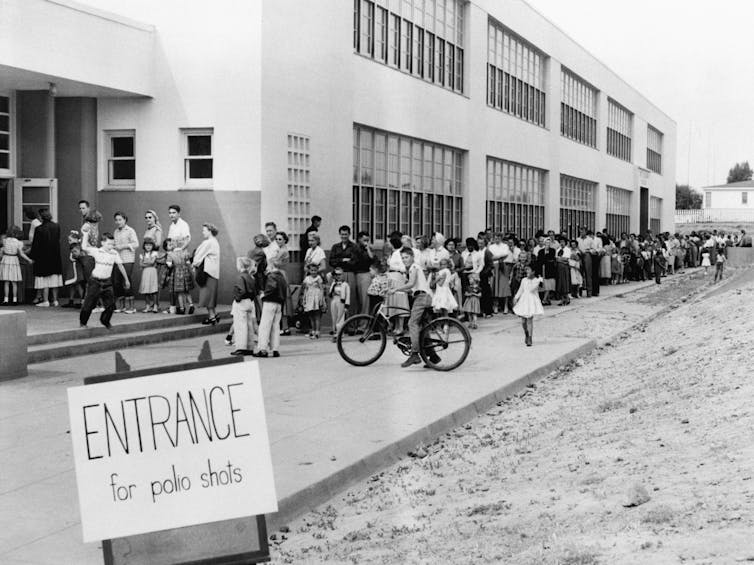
126, 236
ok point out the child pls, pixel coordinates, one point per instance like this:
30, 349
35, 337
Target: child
340, 300
100, 284
719, 266
471, 305
616, 267
10, 267
76, 275
526, 303
443, 301
658, 262
455, 287
313, 298
705, 260
179, 280
379, 285
275, 293
149, 283
243, 311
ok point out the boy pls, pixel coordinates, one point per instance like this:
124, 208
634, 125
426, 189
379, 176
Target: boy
417, 286
100, 284
719, 266
273, 298
244, 319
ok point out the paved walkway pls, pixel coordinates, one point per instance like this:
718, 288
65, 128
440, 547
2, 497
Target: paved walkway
330, 424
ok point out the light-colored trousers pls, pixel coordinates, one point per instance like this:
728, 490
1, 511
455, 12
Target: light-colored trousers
362, 286
244, 324
337, 313
269, 326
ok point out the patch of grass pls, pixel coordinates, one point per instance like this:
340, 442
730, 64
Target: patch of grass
608, 405
659, 515
579, 556
494, 508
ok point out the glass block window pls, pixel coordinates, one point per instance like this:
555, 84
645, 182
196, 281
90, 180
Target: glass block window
5, 157
299, 187
654, 150
577, 204
618, 210
423, 38
578, 109
515, 197
121, 158
620, 125
198, 161
515, 75
655, 214
405, 184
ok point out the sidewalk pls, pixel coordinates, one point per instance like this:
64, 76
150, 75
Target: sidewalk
330, 424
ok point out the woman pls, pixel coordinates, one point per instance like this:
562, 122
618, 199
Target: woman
126, 244
547, 270
315, 254
501, 285
608, 248
283, 261
48, 266
154, 229
563, 274
421, 252
574, 262
485, 275
208, 256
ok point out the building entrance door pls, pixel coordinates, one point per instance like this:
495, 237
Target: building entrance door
643, 210
29, 195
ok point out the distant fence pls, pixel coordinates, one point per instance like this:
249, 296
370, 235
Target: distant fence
714, 215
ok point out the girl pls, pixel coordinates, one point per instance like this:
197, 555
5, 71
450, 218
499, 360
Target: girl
340, 300
455, 286
443, 301
471, 306
149, 285
179, 281
705, 260
10, 268
379, 285
313, 298
526, 304
719, 266
574, 262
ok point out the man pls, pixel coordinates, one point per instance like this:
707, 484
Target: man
745, 240
100, 284
179, 231
418, 286
586, 247
304, 240
362, 257
342, 255
272, 250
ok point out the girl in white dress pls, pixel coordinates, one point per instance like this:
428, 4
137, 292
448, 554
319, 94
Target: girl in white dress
526, 303
443, 300
313, 298
10, 267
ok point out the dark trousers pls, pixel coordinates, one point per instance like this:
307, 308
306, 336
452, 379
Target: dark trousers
596, 260
98, 289
486, 298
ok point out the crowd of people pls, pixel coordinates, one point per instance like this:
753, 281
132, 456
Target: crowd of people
479, 277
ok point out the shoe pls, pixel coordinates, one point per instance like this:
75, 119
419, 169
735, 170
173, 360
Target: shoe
334, 339
237, 352
147, 310
413, 359
155, 310
228, 340
287, 331
116, 311
434, 358
332, 332
276, 354
83, 326
210, 321
130, 311
191, 309
311, 336
107, 325
56, 304
43, 304
180, 311
5, 303
260, 354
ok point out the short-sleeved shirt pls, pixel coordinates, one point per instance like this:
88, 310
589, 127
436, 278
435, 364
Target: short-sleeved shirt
103, 262
179, 232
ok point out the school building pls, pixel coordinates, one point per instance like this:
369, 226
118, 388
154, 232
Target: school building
413, 115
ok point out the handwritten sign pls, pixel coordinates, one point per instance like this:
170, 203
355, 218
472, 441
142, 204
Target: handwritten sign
171, 450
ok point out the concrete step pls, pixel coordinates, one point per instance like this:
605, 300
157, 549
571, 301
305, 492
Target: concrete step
122, 337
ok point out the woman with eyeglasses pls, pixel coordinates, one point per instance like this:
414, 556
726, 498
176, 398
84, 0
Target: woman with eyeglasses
154, 229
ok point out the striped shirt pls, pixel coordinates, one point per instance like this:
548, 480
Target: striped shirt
126, 236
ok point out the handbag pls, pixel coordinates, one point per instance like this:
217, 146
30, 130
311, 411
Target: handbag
201, 275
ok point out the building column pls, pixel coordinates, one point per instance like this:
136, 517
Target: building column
552, 194
35, 141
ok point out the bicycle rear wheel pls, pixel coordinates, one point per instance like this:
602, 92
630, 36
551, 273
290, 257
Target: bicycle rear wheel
362, 340
445, 344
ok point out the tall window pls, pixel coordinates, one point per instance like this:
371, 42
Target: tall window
618, 211
745, 198
405, 184
198, 160
423, 38
620, 125
654, 150
299, 188
5, 134
708, 199
121, 158
515, 75
655, 214
577, 206
578, 109
515, 197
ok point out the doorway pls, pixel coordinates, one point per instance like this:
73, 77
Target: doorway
643, 210
29, 195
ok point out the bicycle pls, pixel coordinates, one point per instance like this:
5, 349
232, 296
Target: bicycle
444, 341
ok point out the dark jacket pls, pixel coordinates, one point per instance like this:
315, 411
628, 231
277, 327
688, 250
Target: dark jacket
45, 250
245, 287
546, 263
338, 253
275, 288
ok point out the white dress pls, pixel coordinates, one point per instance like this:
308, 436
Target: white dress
705, 260
527, 298
443, 298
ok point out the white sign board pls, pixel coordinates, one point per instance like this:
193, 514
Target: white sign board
171, 450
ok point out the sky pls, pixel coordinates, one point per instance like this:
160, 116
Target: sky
693, 59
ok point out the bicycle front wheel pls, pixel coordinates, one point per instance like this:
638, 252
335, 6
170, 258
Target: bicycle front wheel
362, 340
445, 344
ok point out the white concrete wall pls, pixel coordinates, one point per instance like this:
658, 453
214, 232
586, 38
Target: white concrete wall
729, 198
207, 73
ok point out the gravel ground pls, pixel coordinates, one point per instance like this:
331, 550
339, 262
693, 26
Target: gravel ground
640, 452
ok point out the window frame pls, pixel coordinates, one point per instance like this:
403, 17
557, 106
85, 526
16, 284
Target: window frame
201, 183
109, 135
9, 172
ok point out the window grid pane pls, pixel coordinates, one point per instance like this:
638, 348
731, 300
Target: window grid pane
299, 186
515, 197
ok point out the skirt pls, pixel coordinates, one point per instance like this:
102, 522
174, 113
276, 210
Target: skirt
528, 305
50, 281
563, 282
208, 293
149, 283
313, 297
10, 269
606, 270
444, 300
501, 282
548, 284
471, 305
399, 300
